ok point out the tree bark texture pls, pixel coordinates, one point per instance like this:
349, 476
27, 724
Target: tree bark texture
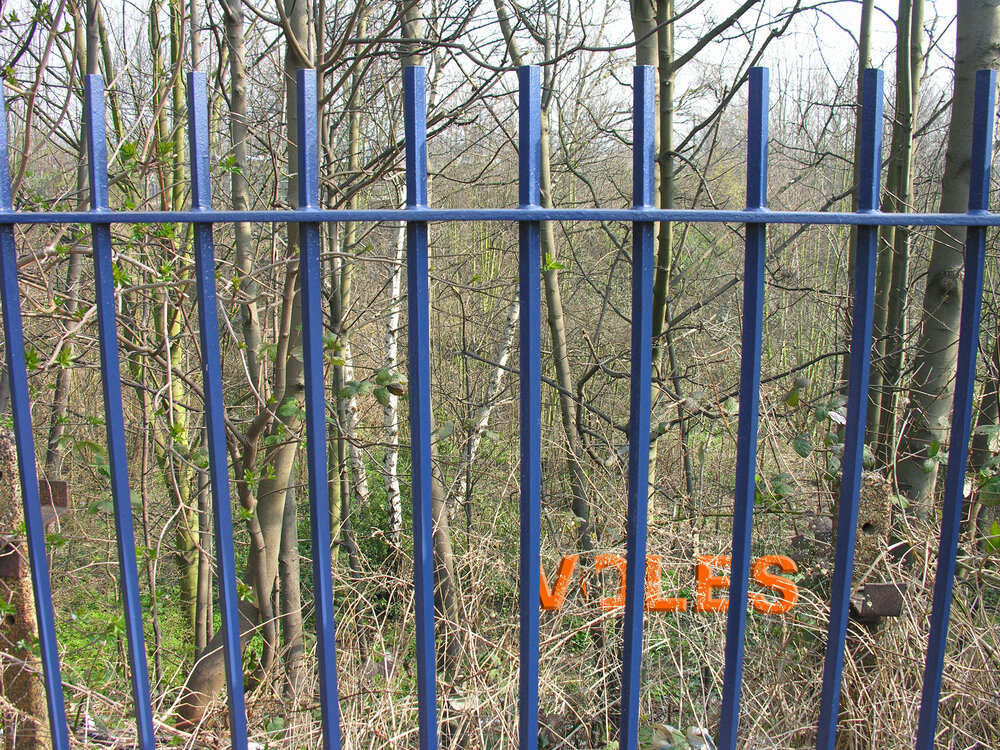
932, 387
24, 712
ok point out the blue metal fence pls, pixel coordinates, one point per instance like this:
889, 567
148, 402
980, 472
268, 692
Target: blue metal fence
308, 217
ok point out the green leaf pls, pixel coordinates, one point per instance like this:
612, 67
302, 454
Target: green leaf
989, 490
868, 459
551, 264
992, 542
933, 448
103, 505
444, 430
356, 388
382, 395
781, 487
244, 592
32, 358
992, 433
65, 357
792, 397
802, 445
89, 446
275, 724
289, 408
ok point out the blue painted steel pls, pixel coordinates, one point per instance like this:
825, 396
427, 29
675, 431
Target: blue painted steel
870, 165
418, 335
13, 336
315, 403
114, 417
424, 214
529, 290
643, 154
961, 419
746, 440
215, 417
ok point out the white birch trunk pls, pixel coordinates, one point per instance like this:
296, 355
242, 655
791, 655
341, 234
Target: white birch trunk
390, 413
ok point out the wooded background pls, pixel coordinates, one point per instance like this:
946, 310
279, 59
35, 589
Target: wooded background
702, 52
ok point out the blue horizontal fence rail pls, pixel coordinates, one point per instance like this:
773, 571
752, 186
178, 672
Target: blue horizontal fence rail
307, 219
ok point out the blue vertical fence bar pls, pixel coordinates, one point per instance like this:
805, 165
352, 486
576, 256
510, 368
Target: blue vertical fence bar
418, 341
315, 402
746, 441
870, 167
114, 417
643, 155
215, 417
13, 336
529, 291
965, 383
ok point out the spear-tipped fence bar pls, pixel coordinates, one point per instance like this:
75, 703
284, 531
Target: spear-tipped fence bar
746, 441
305, 221
529, 297
869, 167
215, 417
114, 411
968, 344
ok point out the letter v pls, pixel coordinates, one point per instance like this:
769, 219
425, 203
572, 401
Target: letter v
554, 597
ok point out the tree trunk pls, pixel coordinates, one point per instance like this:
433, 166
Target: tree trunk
203, 608
645, 31
984, 438
899, 199
445, 578
88, 60
207, 676
989, 410
296, 664
932, 387
245, 287
555, 317
20, 671
350, 458
390, 413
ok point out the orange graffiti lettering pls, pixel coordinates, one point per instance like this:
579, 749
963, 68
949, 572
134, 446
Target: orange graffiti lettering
655, 602
785, 589
553, 598
706, 583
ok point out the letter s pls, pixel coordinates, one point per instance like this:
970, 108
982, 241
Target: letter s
786, 590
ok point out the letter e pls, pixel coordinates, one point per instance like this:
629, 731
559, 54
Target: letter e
706, 583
